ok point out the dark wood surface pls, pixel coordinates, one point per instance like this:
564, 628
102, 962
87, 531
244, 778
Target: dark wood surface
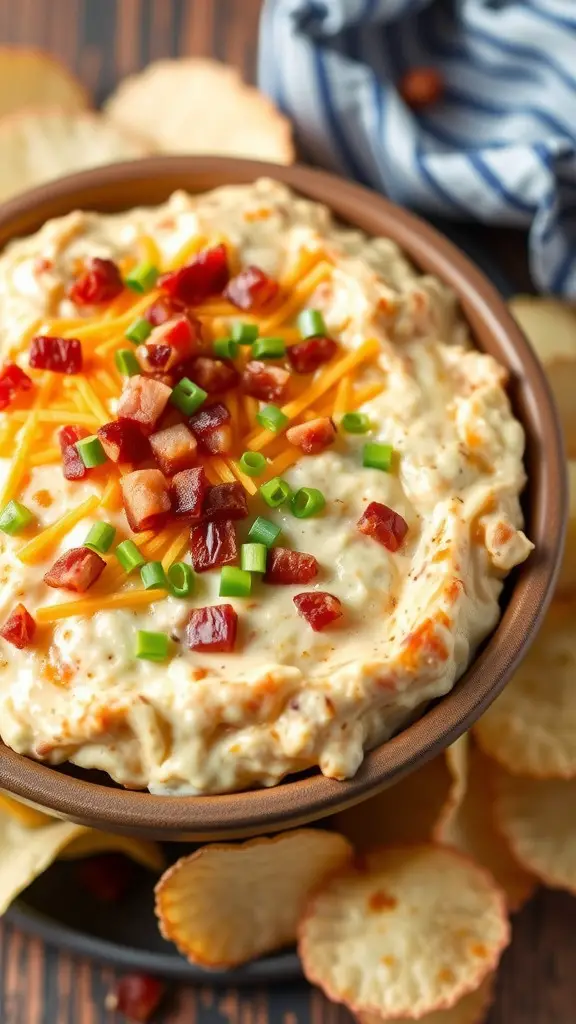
103, 40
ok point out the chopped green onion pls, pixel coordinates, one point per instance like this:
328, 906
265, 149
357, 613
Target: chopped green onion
253, 463
129, 556
355, 422
263, 531
100, 537
311, 323
225, 348
187, 396
15, 517
308, 501
181, 579
126, 362
91, 451
139, 330
142, 277
234, 582
151, 646
153, 575
253, 557
275, 492
272, 418
269, 348
377, 456
244, 333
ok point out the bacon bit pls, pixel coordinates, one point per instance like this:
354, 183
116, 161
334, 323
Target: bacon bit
106, 877
146, 499
123, 442
212, 629
381, 900
136, 996
19, 628
225, 501
142, 402
206, 275
72, 465
188, 490
285, 566
314, 436
213, 544
306, 356
61, 355
174, 448
251, 289
153, 358
318, 608
421, 87
160, 311
384, 524
213, 375
100, 282
213, 429
267, 383
12, 380
423, 642
43, 265
75, 570
170, 343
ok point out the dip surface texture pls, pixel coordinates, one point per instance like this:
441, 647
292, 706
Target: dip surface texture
285, 697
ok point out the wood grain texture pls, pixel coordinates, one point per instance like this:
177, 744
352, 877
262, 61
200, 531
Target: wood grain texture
103, 40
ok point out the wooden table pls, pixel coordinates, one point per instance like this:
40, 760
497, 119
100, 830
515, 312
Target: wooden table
103, 40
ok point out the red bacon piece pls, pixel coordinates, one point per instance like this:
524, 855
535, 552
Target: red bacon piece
154, 359
75, 570
19, 628
123, 442
285, 566
213, 544
12, 380
318, 608
100, 282
61, 355
146, 499
265, 382
384, 524
161, 311
314, 436
142, 402
206, 275
174, 448
188, 490
225, 501
212, 629
72, 465
251, 289
306, 356
212, 375
106, 877
212, 427
136, 996
170, 343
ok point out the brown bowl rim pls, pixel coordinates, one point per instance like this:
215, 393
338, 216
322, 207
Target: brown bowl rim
304, 799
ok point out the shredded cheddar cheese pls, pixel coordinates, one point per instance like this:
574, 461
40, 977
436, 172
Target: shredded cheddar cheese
298, 296
90, 605
19, 463
185, 253
176, 549
35, 550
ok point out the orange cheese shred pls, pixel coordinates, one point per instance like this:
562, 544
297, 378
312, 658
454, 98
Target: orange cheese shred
190, 247
150, 251
23, 442
37, 548
178, 546
298, 296
45, 457
90, 605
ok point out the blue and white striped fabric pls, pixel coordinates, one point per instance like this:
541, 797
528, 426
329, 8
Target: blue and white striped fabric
501, 144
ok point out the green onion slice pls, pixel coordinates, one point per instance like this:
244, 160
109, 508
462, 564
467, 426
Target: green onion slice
225, 348
234, 582
126, 362
355, 422
268, 348
139, 330
308, 501
275, 492
253, 463
152, 646
142, 277
181, 579
15, 517
100, 537
377, 456
253, 557
187, 396
311, 323
263, 531
272, 418
153, 575
244, 333
91, 451
129, 556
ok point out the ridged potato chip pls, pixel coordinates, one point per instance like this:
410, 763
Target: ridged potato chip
406, 812
148, 854
536, 817
32, 78
39, 145
229, 903
469, 1010
195, 105
409, 931
530, 729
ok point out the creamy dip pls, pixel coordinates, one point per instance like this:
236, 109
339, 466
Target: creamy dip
287, 698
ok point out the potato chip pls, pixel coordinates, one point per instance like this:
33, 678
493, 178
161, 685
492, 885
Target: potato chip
411, 930
470, 828
550, 325
536, 816
147, 854
38, 145
469, 1010
457, 762
405, 812
530, 729
30, 817
32, 78
229, 903
567, 577
200, 106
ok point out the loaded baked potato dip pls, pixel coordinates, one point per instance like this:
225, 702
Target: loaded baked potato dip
258, 492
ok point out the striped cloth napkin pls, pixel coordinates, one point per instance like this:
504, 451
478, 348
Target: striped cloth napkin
500, 146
